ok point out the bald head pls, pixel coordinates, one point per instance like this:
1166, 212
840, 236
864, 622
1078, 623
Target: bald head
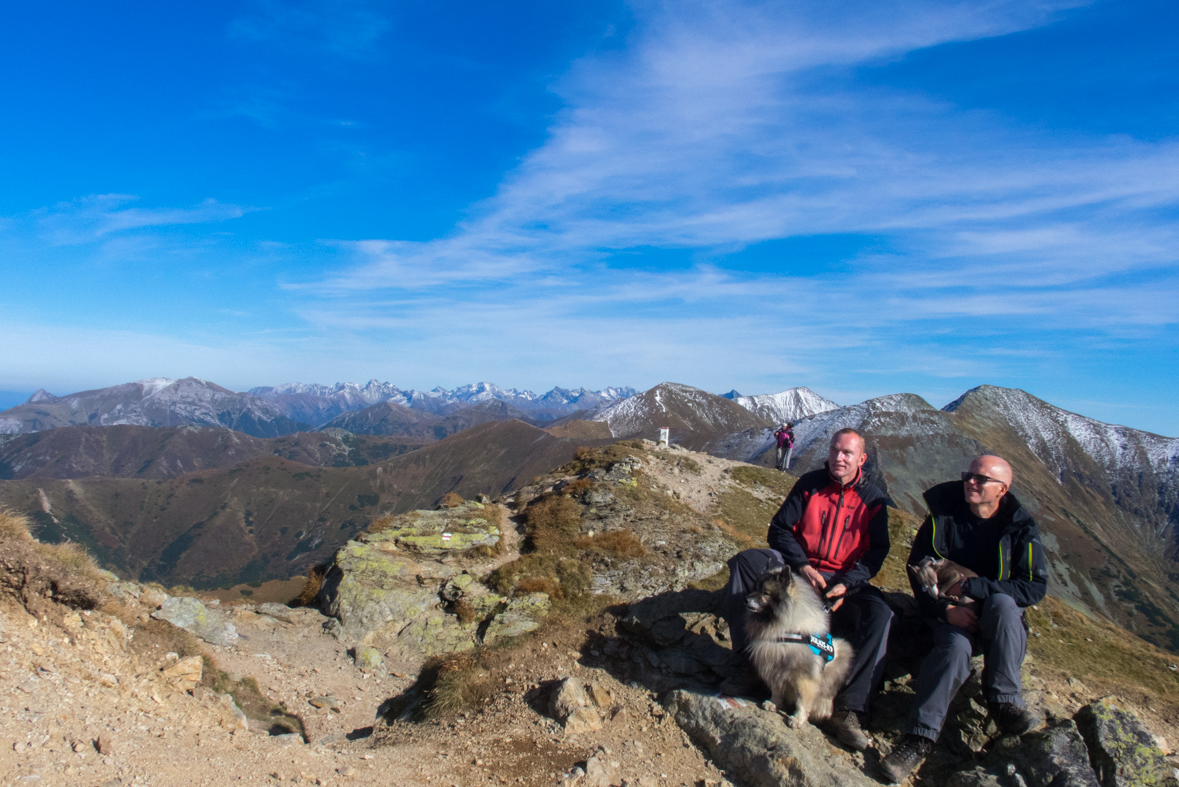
995, 467
986, 483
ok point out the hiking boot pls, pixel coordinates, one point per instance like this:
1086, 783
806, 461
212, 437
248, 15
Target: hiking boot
1013, 719
905, 757
744, 683
846, 726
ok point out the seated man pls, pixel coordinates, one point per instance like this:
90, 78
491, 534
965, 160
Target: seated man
833, 530
978, 524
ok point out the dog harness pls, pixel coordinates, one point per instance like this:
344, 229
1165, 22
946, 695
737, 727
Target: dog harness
821, 646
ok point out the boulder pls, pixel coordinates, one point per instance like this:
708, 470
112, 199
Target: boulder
434, 635
193, 616
1056, 756
445, 531
757, 747
369, 660
367, 588
522, 614
185, 673
1121, 750
570, 705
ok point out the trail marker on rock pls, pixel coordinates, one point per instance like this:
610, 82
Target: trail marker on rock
664, 433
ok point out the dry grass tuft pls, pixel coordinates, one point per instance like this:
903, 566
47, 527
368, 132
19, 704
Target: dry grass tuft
450, 500
551, 523
464, 611
458, 682
577, 487
310, 593
540, 585
380, 523
14, 526
623, 543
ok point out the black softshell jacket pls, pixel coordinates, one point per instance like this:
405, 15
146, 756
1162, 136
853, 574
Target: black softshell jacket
1023, 570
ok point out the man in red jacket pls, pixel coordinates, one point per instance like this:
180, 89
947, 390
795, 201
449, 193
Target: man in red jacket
833, 530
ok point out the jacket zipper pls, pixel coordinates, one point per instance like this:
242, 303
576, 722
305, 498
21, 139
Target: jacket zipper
835, 524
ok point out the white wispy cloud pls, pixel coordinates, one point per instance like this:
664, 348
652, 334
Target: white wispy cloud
98, 216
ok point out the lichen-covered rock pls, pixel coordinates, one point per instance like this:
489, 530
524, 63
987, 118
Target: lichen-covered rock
758, 747
1121, 749
367, 589
455, 587
435, 635
523, 613
1056, 756
193, 616
369, 660
446, 531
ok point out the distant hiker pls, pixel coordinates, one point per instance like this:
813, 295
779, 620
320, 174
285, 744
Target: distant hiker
784, 438
832, 529
977, 523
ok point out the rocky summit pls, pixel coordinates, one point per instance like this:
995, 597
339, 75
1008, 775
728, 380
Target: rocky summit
565, 634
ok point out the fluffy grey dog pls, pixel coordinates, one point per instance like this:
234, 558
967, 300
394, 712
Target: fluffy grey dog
941, 578
789, 646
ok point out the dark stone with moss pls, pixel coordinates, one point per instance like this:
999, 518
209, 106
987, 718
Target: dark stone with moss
1055, 757
1121, 749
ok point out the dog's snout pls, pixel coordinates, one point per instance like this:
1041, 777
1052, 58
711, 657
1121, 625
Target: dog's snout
755, 603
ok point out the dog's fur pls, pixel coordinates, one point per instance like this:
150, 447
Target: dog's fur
939, 577
785, 603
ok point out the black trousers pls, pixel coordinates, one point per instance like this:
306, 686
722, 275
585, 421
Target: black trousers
863, 620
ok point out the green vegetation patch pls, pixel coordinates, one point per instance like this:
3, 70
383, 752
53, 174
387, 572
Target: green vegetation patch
745, 516
1105, 657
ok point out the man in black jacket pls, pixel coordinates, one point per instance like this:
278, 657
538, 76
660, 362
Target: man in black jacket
978, 524
832, 529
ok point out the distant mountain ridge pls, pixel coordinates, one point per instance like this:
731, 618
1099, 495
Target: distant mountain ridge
275, 411
787, 406
158, 401
317, 404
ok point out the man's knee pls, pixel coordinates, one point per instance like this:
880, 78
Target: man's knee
750, 564
952, 647
999, 610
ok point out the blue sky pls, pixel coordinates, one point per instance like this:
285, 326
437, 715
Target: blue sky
863, 198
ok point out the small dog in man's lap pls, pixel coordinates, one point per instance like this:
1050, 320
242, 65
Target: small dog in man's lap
791, 647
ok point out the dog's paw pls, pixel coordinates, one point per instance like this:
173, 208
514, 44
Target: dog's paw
797, 721
769, 707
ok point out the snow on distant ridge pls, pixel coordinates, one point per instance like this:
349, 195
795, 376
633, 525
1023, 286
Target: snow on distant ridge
1046, 429
789, 405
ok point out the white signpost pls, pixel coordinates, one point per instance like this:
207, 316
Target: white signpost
663, 434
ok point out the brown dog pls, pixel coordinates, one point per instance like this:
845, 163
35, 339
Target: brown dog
943, 579
784, 615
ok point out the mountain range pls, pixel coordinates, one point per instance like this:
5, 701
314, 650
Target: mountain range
279, 410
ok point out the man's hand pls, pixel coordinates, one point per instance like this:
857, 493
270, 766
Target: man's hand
814, 577
961, 617
838, 593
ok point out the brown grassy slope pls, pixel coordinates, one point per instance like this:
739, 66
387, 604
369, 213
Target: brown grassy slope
270, 517
166, 452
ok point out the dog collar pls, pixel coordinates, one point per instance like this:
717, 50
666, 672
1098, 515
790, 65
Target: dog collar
821, 646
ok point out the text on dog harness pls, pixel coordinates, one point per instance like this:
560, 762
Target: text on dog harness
821, 646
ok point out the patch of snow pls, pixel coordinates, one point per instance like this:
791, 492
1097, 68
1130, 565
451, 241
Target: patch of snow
789, 405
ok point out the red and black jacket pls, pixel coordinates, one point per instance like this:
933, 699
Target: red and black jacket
838, 529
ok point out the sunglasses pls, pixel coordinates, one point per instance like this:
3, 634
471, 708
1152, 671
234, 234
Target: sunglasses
979, 479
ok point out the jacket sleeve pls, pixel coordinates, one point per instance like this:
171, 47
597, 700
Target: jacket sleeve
878, 545
781, 535
930, 608
1027, 580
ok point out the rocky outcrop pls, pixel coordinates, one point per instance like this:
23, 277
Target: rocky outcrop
410, 589
193, 616
1121, 749
757, 746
